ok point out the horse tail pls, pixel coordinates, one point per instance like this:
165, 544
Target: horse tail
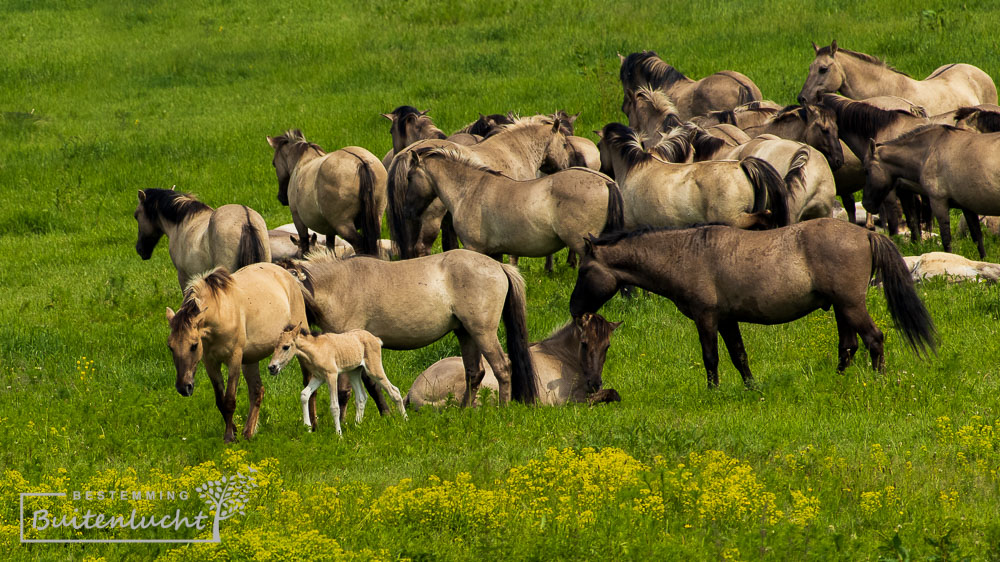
251, 246
614, 220
399, 172
795, 179
905, 306
371, 222
769, 188
524, 386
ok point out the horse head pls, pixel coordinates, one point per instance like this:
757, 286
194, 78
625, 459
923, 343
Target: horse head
594, 334
185, 343
822, 133
825, 75
410, 191
879, 180
288, 149
285, 349
595, 283
150, 231
557, 152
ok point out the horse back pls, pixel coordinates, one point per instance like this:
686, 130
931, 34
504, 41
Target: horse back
980, 83
269, 299
227, 226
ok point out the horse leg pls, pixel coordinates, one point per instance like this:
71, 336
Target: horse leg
229, 403
548, 263
303, 231
373, 391
214, 370
911, 212
849, 207
848, 340
737, 354
360, 396
474, 372
975, 231
348, 233
307, 398
490, 346
859, 320
343, 395
708, 334
311, 414
255, 392
940, 208
571, 258
512, 260
449, 238
890, 213
374, 370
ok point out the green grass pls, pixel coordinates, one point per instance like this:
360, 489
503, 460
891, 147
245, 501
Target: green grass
98, 101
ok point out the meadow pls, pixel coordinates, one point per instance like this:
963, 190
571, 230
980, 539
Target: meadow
99, 100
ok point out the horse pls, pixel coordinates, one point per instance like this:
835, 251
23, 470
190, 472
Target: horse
951, 167
720, 276
518, 150
722, 90
340, 192
951, 266
747, 115
530, 218
860, 76
410, 125
658, 192
983, 118
810, 124
412, 303
568, 364
327, 356
200, 238
233, 320
284, 244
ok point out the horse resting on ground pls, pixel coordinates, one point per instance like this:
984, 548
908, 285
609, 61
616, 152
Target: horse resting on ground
568, 365
327, 356
720, 276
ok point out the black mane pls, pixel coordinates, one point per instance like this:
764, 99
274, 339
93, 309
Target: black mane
625, 142
617, 236
861, 117
647, 67
171, 205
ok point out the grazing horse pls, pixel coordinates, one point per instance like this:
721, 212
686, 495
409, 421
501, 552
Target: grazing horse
722, 90
326, 356
569, 364
860, 76
720, 276
412, 303
951, 266
951, 167
200, 238
233, 320
518, 150
410, 125
336, 193
530, 218
746, 194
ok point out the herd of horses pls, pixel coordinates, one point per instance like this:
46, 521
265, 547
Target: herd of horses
712, 197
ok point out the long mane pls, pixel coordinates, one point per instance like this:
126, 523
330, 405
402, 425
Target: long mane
458, 156
421, 119
647, 68
861, 117
211, 283
627, 143
295, 139
171, 205
860, 56
615, 237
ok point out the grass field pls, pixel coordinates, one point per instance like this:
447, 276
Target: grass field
100, 100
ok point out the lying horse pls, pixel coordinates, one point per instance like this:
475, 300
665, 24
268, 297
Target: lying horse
951, 266
720, 276
568, 364
326, 356
233, 320
200, 238
412, 303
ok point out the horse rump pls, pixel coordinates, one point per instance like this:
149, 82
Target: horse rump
371, 224
769, 188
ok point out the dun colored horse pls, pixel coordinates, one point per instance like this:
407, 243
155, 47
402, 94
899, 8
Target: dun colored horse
200, 238
951, 167
531, 218
410, 125
569, 364
326, 356
412, 303
860, 76
233, 320
720, 276
337, 193
722, 90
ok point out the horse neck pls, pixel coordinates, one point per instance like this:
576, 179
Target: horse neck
222, 319
189, 232
450, 179
307, 351
564, 345
525, 144
904, 159
628, 259
792, 129
863, 79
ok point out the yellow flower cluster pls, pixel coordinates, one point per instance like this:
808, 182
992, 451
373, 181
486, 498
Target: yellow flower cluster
85, 368
804, 508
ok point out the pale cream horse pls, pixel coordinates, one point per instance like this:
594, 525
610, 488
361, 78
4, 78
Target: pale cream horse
200, 238
233, 320
860, 76
336, 193
327, 356
951, 266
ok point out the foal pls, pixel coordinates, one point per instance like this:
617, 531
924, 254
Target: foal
328, 355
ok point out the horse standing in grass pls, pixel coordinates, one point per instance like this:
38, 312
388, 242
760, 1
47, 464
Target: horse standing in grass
327, 356
720, 276
200, 238
722, 90
860, 76
338, 193
233, 320
412, 303
951, 167
410, 125
568, 364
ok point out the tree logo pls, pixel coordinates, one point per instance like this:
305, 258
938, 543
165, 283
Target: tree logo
226, 497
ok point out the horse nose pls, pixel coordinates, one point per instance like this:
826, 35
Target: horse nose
185, 389
273, 369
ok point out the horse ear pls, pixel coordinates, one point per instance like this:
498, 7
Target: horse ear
312, 239
425, 112
614, 325
389, 116
815, 47
556, 123
273, 142
142, 196
170, 314
621, 59
833, 47
599, 133
572, 118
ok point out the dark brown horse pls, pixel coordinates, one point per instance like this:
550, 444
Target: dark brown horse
720, 276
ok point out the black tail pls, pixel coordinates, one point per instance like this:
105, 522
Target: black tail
371, 221
251, 246
769, 188
524, 386
615, 217
399, 172
906, 308
795, 179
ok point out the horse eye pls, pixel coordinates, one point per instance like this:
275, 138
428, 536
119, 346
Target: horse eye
823, 69
286, 348
194, 347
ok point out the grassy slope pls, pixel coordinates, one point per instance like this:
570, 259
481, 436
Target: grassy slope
100, 101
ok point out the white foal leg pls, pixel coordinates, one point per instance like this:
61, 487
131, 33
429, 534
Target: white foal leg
334, 402
360, 395
314, 383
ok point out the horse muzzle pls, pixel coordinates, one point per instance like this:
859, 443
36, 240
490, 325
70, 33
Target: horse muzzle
185, 389
274, 369
143, 252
